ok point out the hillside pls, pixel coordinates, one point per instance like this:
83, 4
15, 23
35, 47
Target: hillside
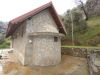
2, 31
86, 31
86, 37
3, 27
4, 43
92, 36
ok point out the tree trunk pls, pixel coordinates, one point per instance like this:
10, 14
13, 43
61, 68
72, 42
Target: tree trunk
83, 8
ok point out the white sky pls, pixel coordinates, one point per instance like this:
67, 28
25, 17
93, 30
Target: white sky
10, 9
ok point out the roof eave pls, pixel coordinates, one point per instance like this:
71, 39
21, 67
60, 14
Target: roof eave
25, 16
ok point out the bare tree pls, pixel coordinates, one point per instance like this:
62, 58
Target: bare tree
83, 8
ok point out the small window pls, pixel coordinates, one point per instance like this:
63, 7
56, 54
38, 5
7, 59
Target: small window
29, 18
55, 39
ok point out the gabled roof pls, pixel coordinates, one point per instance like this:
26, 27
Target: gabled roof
15, 23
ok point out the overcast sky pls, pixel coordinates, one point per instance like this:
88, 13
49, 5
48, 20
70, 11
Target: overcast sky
10, 9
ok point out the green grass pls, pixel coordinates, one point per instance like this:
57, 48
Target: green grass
98, 59
92, 32
94, 28
87, 47
5, 43
93, 21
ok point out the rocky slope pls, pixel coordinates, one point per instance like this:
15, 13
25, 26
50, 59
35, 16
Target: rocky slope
93, 7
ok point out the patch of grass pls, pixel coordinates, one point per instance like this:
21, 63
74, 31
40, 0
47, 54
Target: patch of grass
93, 21
87, 47
92, 32
98, 58
5, 43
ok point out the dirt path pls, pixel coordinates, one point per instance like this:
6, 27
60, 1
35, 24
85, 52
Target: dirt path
69, 66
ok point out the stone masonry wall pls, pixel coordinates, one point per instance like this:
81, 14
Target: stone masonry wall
42, 22
19, 42
37, 50
43, 51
